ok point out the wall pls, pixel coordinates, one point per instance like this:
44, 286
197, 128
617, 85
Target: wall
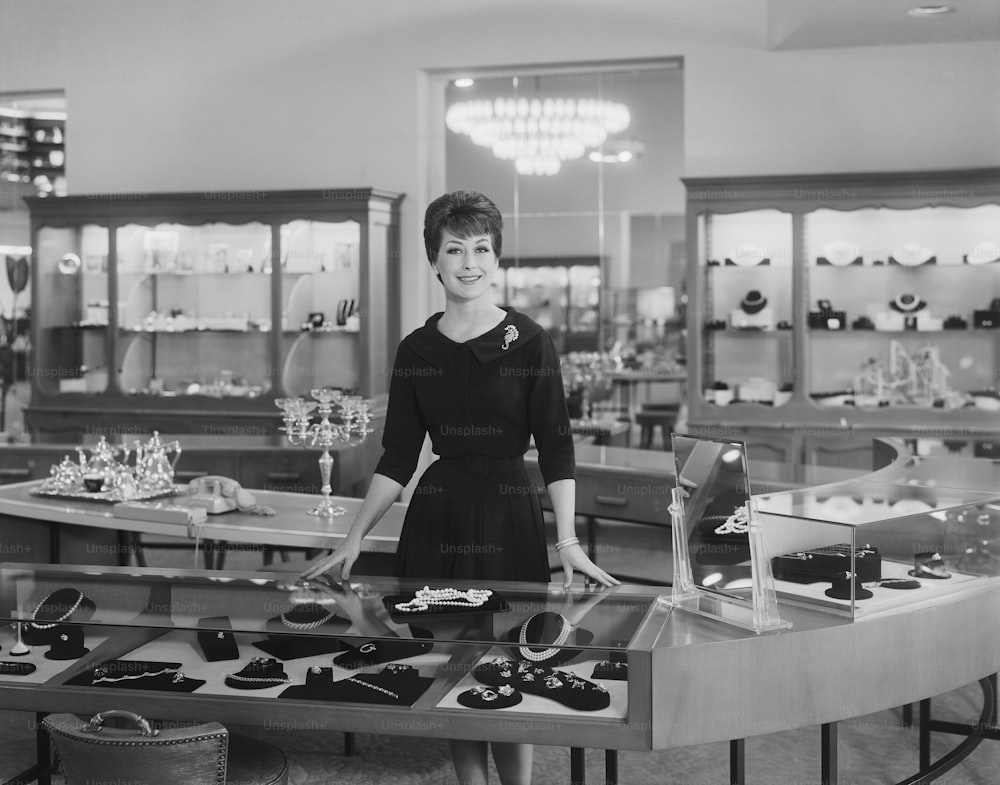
256, 94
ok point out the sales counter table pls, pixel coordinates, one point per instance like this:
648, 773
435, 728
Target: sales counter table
613, 483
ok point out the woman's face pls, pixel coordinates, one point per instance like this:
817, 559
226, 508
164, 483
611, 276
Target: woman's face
465, 265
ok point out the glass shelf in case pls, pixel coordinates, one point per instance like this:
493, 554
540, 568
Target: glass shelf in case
863, 547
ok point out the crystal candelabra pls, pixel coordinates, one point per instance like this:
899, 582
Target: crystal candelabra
355, 415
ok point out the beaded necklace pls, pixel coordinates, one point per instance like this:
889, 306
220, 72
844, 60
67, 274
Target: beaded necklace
538, 656
426, 597
62, 618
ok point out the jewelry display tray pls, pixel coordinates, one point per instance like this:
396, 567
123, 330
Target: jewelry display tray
108, 497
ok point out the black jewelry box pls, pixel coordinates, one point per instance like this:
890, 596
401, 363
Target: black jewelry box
989, 319
823, 564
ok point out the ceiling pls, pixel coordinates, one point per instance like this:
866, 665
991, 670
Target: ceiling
817, 24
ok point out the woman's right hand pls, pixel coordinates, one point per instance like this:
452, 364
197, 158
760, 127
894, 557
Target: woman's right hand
343, 556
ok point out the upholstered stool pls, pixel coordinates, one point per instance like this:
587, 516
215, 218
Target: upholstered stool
649, 421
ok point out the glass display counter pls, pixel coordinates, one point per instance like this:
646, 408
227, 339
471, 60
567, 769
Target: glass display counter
862, 547
469, 651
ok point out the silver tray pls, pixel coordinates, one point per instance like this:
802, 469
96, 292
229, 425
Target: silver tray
108, 497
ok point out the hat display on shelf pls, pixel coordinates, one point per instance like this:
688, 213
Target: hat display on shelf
912, 255
753, 302
840, 253
984, 253
907, 303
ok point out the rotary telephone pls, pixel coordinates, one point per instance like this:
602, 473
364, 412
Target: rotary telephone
217, 494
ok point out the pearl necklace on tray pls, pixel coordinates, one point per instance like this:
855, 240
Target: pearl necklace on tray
538, 656
48, 626
427, 597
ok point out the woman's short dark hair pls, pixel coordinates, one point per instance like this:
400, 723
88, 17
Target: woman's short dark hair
464, 214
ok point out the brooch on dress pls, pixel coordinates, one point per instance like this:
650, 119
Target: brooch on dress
510, 335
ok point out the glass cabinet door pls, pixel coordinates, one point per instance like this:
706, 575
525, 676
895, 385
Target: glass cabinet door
746, 261
321, 305
194, 309
72, 352
909, 296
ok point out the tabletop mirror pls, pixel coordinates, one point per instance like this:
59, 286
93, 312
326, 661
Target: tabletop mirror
720, 564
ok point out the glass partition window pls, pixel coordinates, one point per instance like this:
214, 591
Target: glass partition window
72, 352
585, 167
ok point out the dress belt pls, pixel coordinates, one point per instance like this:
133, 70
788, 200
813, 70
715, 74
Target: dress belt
483, 464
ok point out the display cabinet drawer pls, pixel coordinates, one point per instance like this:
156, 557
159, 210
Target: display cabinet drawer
294, 472
626, 498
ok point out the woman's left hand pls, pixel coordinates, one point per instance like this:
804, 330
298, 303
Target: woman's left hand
573, 559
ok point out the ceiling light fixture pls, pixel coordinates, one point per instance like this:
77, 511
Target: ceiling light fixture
924, 11
618, 151
540, 133
464, 82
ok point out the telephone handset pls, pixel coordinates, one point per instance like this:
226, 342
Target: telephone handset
217, 494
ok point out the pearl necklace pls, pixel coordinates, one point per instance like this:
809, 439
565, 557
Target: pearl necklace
371, 686
426, 597
538, 656
62, 618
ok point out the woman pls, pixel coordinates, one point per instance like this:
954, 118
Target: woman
480, 381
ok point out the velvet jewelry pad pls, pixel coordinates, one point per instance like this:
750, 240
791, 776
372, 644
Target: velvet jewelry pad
396, 685
377, 651
543, 628
131, 675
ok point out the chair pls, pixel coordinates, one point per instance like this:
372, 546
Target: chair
204, 754
653, 416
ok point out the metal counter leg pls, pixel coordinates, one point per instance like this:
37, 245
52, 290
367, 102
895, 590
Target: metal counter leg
738, 762
925, 733
577, 766
828, 754
611, 767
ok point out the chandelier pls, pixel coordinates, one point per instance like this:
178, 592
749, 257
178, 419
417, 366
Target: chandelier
540, 133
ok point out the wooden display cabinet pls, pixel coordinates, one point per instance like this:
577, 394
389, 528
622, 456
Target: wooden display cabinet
163, 311
831, 308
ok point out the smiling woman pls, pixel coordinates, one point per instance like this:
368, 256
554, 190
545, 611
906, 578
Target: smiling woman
481, 381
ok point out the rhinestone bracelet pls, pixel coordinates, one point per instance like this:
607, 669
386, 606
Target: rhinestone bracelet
371, 686
178, 676
259, 679
305, 625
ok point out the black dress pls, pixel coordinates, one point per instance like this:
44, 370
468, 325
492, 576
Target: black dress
475, 513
